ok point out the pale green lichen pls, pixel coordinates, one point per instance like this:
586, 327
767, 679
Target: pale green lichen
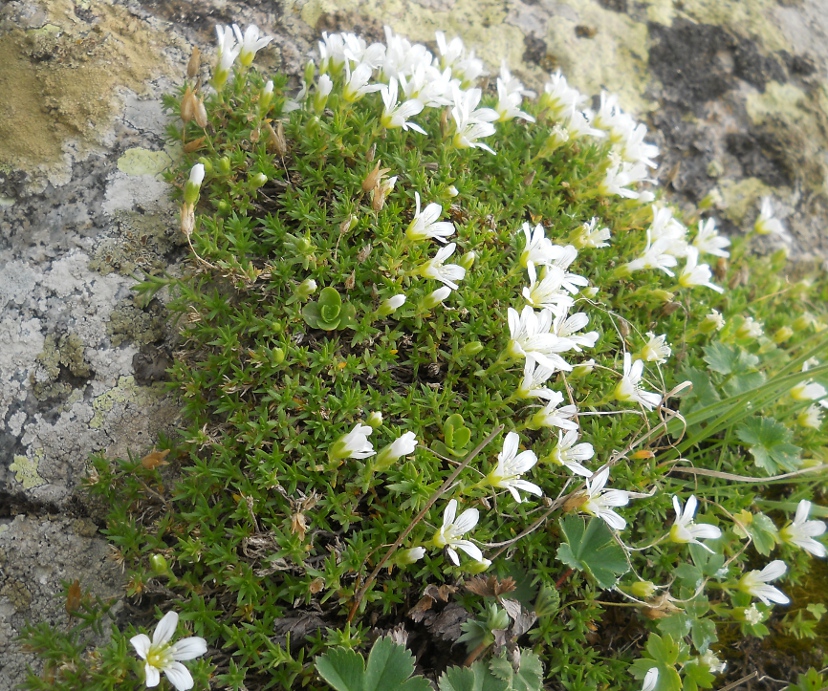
741, 197
62, 355
778, 101
126, 391
141, 242
139, 161
25, 469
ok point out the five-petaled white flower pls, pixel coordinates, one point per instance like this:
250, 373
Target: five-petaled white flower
425, 224
530, 338
510, 466
656, 349
249, 43
355, 444
436, 268
570, 454
552, 416
452, 530
600, 502
708, 241
695, 274
756, 583
396, 114
628, 388
685, 530
801, 532
160, 656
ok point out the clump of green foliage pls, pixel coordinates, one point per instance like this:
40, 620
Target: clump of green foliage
357, 464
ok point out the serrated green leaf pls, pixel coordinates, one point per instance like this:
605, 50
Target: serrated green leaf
703, 633
702, 394
810, 681
474, 678
727, 359
548, 601
663, 649
744, 382
590, 547
342, 668
768, 442
689, 575
697, 676
389, 667
676, 626
528, 676
764, 533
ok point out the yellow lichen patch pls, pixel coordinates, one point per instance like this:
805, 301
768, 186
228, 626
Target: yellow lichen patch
739, 198
60, 81
138, 161
25, 470
126, 391
609, 53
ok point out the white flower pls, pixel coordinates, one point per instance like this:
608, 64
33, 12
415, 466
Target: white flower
620, 175
538, 249
510, 466
534, 377
650, 679
228, 51
566, 328
531, 339
558, 97
355, 444
510, 93
552, 416
756, 583
708, 241
712, 322
811, 417
570, 454
588, 236
548, 292
160, 656
695, 274
801, 532
249, 43
331, 52
446, 273
713, 663
396, 115
656, 349
452, 530
628, 388
356, 82
767, 223
403, 446
425, 224
600, 501
752, 615
750, 328
579, 124
810, 391
684, 530
471, 123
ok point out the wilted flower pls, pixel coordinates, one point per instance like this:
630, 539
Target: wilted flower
160, 656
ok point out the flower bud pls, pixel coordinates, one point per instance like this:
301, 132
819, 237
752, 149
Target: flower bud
643, 590
278, 356
582, 370
159, 564
193, 186
224, 165
403, 446
323, 89
374, 419
471, 349
452, 191
306, 289
310, 72
803, 322
194, 63
409, 556
257, 180
207, 163
265, 98
475, 567
782, 334
436, 297
223, 207
391, 305
467, 260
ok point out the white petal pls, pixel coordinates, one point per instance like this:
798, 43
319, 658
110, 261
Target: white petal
179, 676
452, 555
467, 520
450, 512
530, 487
153, 676
189, 648
772, 571
802, 511
141, 643
165, 629
469, 548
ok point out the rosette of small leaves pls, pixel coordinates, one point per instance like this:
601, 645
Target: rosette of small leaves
328, 312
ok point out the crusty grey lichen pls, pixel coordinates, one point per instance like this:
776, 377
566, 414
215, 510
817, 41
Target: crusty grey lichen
59, 367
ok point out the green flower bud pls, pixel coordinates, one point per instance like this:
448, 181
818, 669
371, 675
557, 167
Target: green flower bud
782, 334
306, 289
471, 349
643, 590
467, 260
224, 165
159, 564
374, 419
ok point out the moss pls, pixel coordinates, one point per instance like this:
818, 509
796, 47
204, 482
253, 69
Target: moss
129, 323
17, 593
